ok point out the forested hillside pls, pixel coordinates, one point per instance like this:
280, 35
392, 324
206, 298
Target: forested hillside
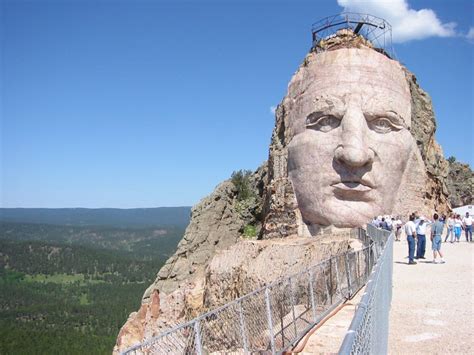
149, 242
67, 289
57, 299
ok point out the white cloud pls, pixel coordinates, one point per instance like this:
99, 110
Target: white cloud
470, 34
407, 24
273, 109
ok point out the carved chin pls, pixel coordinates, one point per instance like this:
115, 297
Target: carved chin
331, 210
341, 220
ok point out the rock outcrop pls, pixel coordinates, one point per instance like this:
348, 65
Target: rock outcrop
435, 194
251, 264
214, 263
460, 184
217, 222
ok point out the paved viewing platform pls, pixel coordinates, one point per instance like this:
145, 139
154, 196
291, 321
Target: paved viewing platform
433, 304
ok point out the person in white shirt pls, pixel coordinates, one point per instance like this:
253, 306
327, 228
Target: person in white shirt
398, 231
421, 225
410, 230
450, 229
467, 223
375, 222
457, 227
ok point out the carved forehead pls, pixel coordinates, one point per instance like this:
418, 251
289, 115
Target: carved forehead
376, 81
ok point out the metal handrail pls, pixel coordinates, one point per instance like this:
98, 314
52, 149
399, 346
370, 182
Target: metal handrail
228, 327
368, 331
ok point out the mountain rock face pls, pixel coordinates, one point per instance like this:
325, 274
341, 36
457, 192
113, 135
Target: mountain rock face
217, 223
460, 184
215, 263
246, 266
435, 192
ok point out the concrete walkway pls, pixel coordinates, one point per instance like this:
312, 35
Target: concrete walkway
433, 304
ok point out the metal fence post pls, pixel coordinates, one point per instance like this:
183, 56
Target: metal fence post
311, 293
269, 319
358, 275
292, 299
330, 279
197, 332
369, 257
242, 328
348, 272
328, 294
338, 281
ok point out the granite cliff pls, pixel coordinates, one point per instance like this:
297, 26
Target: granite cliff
215, 262
217, 223
460, 184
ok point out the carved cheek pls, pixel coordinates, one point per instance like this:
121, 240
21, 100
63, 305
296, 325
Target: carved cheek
392, 151
312, 150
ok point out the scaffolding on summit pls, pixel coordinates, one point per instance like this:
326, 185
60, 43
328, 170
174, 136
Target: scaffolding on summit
375, 32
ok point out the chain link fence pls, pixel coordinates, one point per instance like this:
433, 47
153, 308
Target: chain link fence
368, 332
275, 317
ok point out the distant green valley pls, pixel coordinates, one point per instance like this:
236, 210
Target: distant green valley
67, 289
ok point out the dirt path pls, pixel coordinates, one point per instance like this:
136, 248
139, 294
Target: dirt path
433, 304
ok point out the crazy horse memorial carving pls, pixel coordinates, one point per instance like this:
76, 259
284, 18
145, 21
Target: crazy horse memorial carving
348, 143
349, 114
353, 138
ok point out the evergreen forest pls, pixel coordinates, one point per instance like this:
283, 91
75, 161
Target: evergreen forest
69, 289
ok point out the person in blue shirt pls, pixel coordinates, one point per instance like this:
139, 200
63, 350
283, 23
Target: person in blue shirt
384, 225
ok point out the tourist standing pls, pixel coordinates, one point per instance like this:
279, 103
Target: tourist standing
384, 225
410, 230
457, 227
467, 223
375, 222
398, 231
436, 232
449, 229
421, 238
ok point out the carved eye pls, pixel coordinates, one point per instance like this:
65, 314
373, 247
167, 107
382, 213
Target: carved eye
321, 122
383, 125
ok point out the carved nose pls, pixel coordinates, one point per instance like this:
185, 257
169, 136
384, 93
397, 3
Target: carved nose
354, 156
354, 150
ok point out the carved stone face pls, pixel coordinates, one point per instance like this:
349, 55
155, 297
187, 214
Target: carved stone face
348, 113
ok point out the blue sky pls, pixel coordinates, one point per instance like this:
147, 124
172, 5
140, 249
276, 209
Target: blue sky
153, 103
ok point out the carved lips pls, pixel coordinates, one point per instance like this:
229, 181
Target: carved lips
353, 188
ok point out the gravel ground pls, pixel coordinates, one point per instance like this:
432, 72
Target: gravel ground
433, 304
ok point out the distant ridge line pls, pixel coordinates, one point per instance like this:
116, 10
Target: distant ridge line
117, 217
